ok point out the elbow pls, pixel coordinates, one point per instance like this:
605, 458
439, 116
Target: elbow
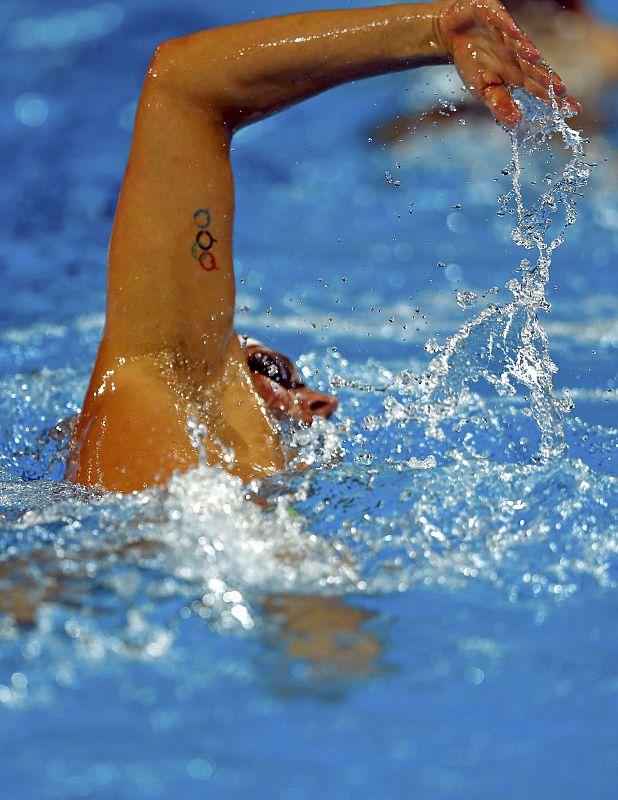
197, 68
186, 70
166, 64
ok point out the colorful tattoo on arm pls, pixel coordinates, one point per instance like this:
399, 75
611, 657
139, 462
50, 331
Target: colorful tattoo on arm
204, 241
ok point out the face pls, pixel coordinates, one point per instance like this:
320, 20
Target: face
276, 381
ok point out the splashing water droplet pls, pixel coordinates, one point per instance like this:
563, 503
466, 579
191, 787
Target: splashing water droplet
391, 180
432, 346
466, 299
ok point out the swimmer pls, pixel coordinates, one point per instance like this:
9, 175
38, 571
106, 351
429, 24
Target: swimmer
169, 352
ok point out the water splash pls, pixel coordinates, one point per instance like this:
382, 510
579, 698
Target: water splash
506, 345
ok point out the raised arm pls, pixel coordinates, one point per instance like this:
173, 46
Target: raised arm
169, 349
177, 196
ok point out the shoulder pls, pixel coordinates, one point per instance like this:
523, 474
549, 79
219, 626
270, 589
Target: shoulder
132, 431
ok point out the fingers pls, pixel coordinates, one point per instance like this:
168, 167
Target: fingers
546, 89
493, 56
499, 21
497, 97
526, 50
499, 101
542, 83
501, 45
501, 65
539, 79
498, 17
544, 76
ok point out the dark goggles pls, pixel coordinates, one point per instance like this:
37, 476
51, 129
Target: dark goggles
273, 366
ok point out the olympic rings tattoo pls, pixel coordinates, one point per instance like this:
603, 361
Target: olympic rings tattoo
204, 240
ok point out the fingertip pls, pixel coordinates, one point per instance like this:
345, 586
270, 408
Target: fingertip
531, 54
510, 112
503, 107
510, 27
510, 119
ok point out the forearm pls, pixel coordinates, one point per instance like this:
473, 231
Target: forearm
247, 71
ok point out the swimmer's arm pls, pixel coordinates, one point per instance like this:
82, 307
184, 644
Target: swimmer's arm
171, 284
168, 345
253, 69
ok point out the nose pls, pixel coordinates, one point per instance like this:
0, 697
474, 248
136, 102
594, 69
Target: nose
316, 404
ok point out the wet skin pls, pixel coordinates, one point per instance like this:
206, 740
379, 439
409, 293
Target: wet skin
169, 352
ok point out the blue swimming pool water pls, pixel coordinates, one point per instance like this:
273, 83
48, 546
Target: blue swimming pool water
418, 617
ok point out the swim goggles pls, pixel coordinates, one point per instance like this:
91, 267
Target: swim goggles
274, 366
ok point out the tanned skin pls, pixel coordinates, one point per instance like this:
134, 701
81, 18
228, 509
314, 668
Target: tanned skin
169, 351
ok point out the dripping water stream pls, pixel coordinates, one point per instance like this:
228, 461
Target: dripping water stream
506, 345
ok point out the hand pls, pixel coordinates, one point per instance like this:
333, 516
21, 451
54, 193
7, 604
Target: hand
493, 56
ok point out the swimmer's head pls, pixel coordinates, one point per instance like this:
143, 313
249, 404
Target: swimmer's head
275, 379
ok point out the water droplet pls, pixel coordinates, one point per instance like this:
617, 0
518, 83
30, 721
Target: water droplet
391, 180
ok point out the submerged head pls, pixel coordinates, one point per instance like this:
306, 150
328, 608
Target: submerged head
275, 379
